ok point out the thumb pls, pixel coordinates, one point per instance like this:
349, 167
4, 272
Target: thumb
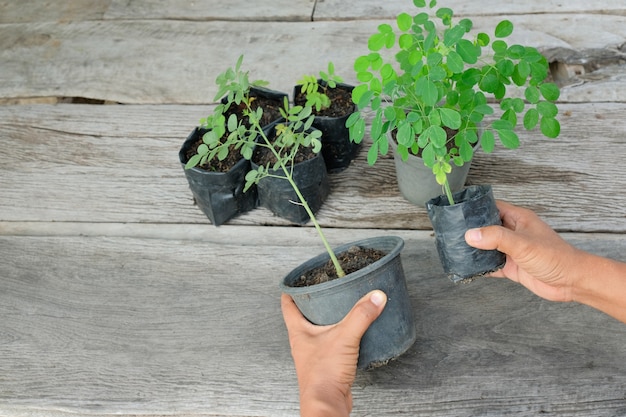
493, 237
364, 312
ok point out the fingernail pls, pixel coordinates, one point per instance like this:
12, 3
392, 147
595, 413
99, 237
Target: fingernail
378, 298
475, 235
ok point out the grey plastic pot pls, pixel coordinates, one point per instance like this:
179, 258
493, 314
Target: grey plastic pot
474, 207
417, 183
327, 303
219, 195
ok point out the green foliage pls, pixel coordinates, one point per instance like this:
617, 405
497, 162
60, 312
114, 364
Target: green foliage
442, 77
315, 91
245, 134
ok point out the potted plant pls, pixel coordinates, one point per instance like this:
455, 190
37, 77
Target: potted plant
331, 101
290, 140
394, 331
431, 98
216, 174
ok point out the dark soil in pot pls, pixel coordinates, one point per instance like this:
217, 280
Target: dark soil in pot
352, 260
474, 207
337, 148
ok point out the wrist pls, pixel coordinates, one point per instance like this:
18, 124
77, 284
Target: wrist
322, 401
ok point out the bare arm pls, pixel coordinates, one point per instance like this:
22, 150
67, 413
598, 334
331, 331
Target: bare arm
539, 259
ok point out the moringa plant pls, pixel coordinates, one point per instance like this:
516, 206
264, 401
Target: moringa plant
315, 91
441, 78
232, 134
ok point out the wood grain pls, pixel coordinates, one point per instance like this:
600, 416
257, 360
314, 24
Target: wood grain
120, 164
104, 324
174, 61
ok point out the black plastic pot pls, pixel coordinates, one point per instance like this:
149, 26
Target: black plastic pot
219, 195
474, 207
277, 195
393, 332
337, 148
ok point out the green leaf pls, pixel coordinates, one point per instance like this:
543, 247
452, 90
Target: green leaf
501, 124
504, 29
450, 118
419, 3
427, 90
532, 94
437, 135
487, 141
499, 46
531, 118
518, 105
505, 67
550, 91
453, 35
428, 155
372, 154
466, 151
467, 51
484, 109
547, 109
489, 83
361, 64
550, 127
404, 135
483, 39
193, 161
357, 131
455, 62
516, 51
508, 138
377, 41
404, 21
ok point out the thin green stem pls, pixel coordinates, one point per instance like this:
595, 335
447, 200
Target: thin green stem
448, 191
289, 177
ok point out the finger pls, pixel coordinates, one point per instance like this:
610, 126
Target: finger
363, 314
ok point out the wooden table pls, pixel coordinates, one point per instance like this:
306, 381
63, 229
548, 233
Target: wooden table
117, 297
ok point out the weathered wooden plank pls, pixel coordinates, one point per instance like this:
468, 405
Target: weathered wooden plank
126, 325
372, 9
166, 61
63, 11
120, 164
238, 10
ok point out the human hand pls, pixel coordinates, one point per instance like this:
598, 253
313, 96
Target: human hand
536, 256
325, 357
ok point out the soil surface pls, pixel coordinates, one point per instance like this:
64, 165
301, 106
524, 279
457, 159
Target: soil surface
271, 112
263, 156
340, 102
352, 260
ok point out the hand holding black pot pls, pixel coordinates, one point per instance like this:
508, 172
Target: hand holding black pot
539, 259
326, 356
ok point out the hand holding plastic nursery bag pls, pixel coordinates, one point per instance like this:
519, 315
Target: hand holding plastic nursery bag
475, 207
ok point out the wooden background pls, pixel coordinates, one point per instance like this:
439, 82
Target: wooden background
117, 297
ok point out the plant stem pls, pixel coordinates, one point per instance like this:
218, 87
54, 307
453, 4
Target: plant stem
289, 177
446, 187
329, 249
